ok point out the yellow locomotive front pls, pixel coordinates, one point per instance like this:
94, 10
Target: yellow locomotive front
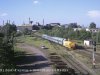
69, 44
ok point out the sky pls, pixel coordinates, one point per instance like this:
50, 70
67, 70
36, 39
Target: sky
82, 12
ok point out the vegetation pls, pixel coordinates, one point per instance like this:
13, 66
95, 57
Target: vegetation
67, 33
26, 31
7, 34
92, 25
64, 31
73, 25
35, 27
9, 31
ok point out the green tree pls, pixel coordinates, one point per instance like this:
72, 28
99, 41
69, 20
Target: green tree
6, 54
14, 28
26, 31
35, 27
98, 37
72, 25
9, 29
67, 33
92, 25
84, 35
7, 47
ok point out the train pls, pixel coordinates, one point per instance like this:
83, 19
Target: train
62, 41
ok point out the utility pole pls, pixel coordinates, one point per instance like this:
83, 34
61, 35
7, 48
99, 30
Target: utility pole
43, 22
3, 23
29, 20
9, 21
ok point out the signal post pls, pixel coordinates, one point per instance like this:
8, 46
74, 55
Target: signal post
94, 50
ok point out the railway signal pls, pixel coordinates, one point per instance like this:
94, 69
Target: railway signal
94, 45
94, 50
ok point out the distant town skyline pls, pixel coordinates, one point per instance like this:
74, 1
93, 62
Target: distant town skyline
82, 12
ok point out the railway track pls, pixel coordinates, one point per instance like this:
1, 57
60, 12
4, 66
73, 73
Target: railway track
79, 70
90, 50
88, 53
76, 65
72, 63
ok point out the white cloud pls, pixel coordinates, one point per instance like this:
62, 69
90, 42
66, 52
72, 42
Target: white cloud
94, 13
35, 2
4, 14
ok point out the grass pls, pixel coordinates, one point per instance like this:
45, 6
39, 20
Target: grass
16, 49
79, 42
19, 53
38, 42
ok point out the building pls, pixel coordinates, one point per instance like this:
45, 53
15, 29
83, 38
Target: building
88, 43
65, 25
54, 24
22, 27
92, 30
77, 29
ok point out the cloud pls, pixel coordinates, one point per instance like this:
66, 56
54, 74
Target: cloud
36, 2
4, 14
94, 13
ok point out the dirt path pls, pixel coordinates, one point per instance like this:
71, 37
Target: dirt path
34, 60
